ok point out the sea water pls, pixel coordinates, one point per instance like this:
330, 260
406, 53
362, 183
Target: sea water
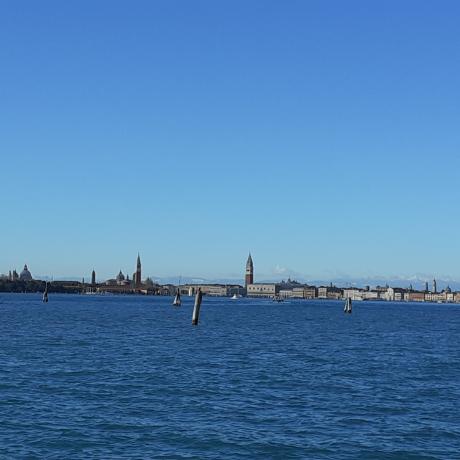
112, 377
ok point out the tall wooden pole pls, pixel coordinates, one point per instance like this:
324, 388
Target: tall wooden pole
196, 308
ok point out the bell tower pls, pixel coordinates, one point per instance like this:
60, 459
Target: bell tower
249, 277
138, 278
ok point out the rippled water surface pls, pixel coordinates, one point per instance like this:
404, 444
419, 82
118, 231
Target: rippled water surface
129, 377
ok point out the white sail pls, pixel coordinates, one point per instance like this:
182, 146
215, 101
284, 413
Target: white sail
177, 301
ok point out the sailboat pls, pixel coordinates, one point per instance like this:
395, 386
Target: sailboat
347, 307
45, 293
177, 301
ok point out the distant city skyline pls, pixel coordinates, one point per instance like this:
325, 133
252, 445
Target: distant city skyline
321, 136
248, 277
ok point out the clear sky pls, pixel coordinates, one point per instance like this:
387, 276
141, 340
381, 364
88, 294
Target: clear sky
321, 135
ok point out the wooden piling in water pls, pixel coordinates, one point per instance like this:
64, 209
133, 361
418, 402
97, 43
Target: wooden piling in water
196, 308
45, 294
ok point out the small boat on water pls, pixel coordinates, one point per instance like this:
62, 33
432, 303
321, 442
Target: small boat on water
235, 297
177, 301
347, 307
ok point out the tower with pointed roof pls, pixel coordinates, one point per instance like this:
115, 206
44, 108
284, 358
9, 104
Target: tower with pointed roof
138, 274
249, 277
93, 278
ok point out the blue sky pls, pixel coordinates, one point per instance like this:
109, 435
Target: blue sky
321, 135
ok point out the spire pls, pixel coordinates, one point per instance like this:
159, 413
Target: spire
249, 264
249, 275
138, 275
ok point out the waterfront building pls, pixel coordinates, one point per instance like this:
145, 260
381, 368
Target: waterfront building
394, 294
236, 289
414, 296
288, 293
435, 297
353, 293
450, 296
249, 276
370, 294
214, 290
220, 290
297, 293
382, 291
329, 292
263, 289
309, 292
300, 292
25, 274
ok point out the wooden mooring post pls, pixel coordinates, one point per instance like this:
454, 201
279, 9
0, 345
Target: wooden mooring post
196, 308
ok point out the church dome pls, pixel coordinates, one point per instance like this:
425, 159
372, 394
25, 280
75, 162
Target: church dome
25, 274
120, 276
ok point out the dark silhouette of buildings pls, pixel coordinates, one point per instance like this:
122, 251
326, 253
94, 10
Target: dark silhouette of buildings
137, 277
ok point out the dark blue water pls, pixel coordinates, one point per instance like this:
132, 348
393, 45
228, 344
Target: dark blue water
129, 377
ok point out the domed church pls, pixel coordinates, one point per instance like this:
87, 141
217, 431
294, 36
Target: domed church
25, 274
